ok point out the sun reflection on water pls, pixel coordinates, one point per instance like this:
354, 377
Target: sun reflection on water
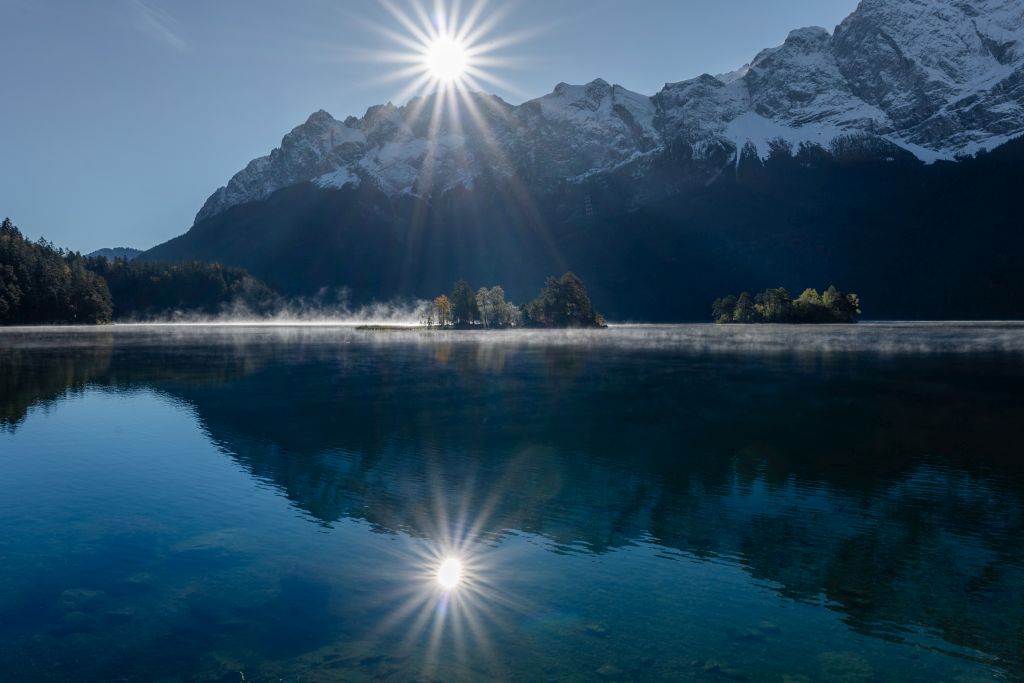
451, 599
449, 573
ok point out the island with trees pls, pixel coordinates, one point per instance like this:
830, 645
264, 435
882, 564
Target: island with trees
777, 306
562, 303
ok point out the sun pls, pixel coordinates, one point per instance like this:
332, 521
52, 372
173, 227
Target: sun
451, 49
449, 573
446, 59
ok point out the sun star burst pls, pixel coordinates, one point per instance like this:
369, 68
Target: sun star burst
445, 50
445, 60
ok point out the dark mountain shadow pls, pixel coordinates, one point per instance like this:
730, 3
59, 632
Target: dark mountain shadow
654, 240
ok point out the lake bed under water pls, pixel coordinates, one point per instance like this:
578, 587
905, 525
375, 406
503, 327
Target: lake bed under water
692, 502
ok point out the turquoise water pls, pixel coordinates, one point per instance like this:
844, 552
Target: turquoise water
639, 503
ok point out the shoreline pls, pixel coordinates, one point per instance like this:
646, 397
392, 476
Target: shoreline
369, 326
881, 338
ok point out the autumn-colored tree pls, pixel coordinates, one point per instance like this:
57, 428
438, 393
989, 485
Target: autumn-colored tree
443, 311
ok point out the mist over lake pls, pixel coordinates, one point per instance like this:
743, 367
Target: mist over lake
693, 502
431, 341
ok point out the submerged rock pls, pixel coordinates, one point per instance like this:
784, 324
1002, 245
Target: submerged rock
724, 670
610, 672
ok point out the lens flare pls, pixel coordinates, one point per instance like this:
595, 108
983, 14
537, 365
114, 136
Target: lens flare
452, 590
446, 59
449, 573
446, 51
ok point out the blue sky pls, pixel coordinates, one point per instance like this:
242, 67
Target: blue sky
119, 117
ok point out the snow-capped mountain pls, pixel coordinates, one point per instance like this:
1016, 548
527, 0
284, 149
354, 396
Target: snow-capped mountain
936, 78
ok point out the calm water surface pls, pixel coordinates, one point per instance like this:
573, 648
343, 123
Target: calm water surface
640, 503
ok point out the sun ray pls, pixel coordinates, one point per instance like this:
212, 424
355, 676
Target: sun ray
470, 21
437, 631
458, 636
404, 74
414, 87
476, 33
393, 58
472, 74
406, 21
454, 49
414, 45
428, 24
452, 101
454, 44
441, 16
415, 108
425, 179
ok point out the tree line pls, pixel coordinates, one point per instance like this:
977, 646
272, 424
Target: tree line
563, 302
40, 283
146, 290
777, 306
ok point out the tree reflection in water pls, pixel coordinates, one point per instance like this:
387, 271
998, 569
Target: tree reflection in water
885, 482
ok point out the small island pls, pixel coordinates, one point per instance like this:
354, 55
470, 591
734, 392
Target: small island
777, 306
562, 303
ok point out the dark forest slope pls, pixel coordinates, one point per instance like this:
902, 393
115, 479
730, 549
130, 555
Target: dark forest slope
942, 241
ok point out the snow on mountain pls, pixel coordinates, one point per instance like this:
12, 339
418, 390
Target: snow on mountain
937, 78
948, 73
314, 148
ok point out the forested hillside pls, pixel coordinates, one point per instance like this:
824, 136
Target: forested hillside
145, 290
40, 283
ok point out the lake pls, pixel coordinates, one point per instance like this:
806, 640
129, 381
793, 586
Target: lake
273, 503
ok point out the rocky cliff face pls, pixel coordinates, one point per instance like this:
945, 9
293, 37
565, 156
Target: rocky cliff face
930, 78
948, 74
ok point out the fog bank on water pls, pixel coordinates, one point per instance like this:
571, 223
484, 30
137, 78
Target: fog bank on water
300, 312
402, 327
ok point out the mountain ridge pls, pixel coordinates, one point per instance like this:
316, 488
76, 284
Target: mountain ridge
935, 80
788, 173
113, 253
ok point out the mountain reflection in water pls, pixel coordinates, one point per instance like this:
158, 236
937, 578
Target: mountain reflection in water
872, 471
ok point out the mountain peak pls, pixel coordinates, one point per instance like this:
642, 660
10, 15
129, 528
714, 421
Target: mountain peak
809, 34
319, 116
938, 79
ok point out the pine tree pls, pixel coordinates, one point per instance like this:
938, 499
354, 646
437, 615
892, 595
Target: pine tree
464, 309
